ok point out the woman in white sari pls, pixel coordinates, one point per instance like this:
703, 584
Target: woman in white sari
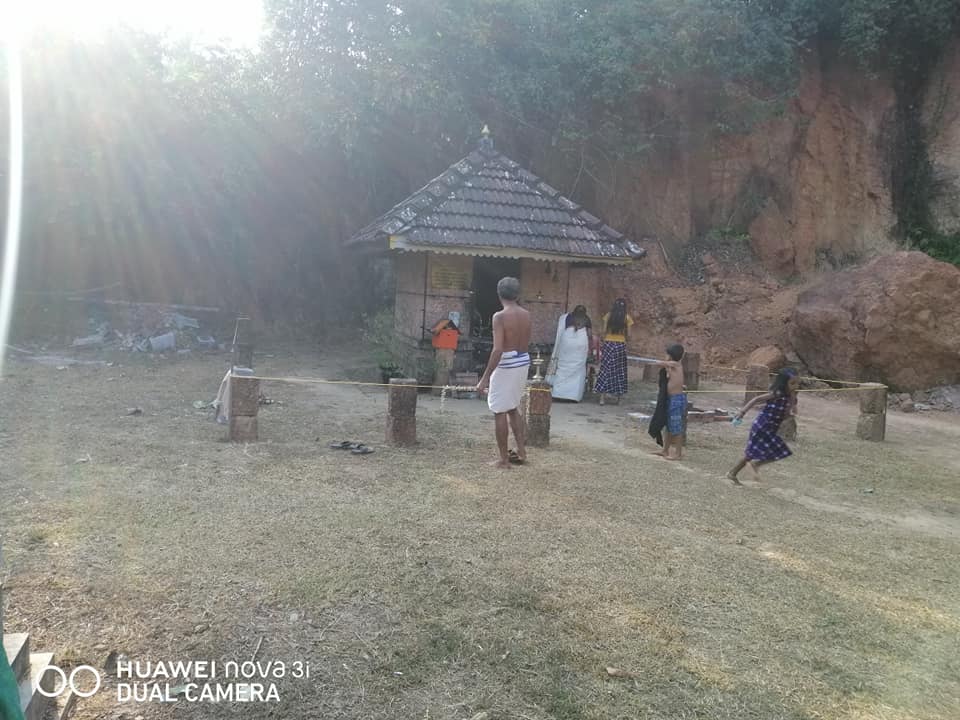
568, 365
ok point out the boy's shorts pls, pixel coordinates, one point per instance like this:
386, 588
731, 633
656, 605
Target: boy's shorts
675, 414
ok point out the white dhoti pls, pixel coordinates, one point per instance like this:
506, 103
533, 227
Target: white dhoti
568, 375
508, 381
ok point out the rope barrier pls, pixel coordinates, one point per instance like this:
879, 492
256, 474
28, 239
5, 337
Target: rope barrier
472, 388
771, 374
320, 381
802, 377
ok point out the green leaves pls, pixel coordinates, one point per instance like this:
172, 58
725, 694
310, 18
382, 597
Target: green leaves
567, 69
149, 153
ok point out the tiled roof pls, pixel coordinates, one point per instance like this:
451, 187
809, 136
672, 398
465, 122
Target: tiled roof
488, 201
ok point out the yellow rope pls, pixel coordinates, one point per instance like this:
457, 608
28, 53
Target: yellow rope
802, 377
320, 381
472, 388
772, 374
761, 392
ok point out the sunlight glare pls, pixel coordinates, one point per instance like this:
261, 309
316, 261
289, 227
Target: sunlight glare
11, 245
237, 22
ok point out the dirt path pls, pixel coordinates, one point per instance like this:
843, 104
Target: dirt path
930, 436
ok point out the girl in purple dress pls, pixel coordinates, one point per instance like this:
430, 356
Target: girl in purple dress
765, 445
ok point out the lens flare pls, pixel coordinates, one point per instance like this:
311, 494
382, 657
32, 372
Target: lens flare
11, 245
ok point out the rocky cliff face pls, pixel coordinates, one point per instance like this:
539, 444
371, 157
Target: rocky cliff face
831, 194
725, 318
813, 190
813, 184
941, 119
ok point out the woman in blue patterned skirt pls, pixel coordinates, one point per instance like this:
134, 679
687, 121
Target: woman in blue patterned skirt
764, 444
612, 379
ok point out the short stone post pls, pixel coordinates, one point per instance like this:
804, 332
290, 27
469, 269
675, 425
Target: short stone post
691, 370
758, 382
872, 424
538, 417
443, 365
402, 412
244, 405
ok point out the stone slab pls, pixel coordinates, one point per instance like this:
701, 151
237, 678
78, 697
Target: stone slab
17, 648
243, 429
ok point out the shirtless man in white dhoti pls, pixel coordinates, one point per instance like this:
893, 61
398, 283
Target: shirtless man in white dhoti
506, 375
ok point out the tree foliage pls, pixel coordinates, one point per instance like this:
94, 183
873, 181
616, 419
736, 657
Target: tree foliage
575, 69
165, 168
593, 83
227, 177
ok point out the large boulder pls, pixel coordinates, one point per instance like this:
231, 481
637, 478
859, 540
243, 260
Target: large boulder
770, 356
895, 320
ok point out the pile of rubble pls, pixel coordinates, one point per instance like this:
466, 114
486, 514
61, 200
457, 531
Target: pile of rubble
148, 330
944, 399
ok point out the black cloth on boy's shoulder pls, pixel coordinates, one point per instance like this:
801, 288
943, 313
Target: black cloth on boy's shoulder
659, 420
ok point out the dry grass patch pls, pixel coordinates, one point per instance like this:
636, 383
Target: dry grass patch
419, 583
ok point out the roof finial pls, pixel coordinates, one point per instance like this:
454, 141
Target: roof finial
486, 142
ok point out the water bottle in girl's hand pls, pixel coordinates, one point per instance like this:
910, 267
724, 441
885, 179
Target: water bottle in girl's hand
737, 420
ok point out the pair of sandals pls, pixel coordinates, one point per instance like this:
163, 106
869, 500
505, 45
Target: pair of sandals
355, 448
514, 458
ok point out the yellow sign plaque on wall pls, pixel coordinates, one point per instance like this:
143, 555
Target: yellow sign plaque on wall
445, 276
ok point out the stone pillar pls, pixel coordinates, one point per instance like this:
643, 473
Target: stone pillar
758, 382
538, 418
244, 405
691, 370
443, 365
872, 424
402, 412
243, 345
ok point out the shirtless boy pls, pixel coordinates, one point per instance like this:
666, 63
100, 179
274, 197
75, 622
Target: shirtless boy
676, 402
506, 375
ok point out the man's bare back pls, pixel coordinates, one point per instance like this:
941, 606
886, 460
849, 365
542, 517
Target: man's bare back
509, 362
514, 323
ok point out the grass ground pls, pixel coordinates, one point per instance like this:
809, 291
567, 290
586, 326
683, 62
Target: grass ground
423, 584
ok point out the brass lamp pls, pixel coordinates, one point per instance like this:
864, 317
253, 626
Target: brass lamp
538, 365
